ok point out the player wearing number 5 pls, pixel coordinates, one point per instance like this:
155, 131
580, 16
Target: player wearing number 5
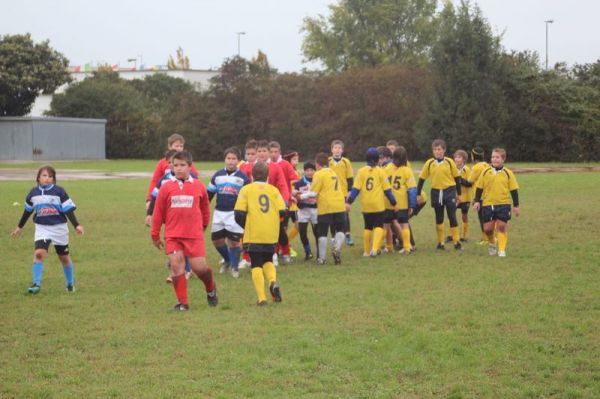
371, 181
259, 209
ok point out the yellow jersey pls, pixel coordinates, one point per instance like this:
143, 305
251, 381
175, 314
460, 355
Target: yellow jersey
476, 171
327, 186
343, 169
442, 173
496, 186
262, 203
401, 178
372, 182
466, 193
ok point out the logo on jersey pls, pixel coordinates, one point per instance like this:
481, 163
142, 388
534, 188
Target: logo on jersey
182, 201
47, 212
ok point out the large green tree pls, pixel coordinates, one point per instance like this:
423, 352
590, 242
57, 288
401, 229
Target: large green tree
368, 33
26, 71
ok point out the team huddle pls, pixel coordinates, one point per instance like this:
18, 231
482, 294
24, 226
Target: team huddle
259, 196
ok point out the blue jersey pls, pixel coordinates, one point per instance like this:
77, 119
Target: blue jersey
303, 185
159, 183
226, 185
49, 204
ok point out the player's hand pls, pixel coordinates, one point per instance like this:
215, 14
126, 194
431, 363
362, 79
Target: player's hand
158, 243
410, 211
80, 230
516, 211
396, 208
348, 207
147, 205
148, 221
16, 233
476, 206
419, 200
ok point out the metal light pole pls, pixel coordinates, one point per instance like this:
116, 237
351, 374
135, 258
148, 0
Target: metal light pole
239, 34
549, 21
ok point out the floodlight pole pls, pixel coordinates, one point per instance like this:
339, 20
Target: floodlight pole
239, 34
549, 21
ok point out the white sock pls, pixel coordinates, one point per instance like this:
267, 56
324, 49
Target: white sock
339, 240
322, 247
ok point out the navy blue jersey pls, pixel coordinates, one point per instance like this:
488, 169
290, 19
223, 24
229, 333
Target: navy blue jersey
49, 204
227, 185
303, 185
159, 183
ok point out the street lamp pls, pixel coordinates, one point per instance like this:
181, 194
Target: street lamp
549, 21
239, 34
134, 60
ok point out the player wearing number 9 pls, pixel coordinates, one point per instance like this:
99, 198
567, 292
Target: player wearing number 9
259, 209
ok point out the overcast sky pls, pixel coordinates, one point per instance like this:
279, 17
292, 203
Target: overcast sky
112, 31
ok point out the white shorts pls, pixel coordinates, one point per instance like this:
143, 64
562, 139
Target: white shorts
57, 233
225, 221
306, 215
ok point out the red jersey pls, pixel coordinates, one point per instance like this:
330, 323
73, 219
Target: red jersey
183, 207
289, 173
159, 172
277, 179
246, 168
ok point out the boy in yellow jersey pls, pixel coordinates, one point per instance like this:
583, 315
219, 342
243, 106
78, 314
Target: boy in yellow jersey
404, 188
464, 199
445, 189
372, 183
496, 188
343, 169
331, 209
478, 156
259, 209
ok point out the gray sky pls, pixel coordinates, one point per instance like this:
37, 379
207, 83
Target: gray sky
111, 31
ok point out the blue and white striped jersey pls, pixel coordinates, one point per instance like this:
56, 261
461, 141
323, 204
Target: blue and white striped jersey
49, 204
226, 185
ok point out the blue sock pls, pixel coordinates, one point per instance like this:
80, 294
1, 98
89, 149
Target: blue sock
37, 270
307, 249
234, 256
188, 268
68, 270
224, 252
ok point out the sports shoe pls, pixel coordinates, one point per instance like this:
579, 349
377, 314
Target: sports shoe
169, 280
458, 246
34, 289
222, 261
337, 258
189, 275
373, 254
366, 254
182, 307
70, 288
223, 268
320, 261
261, 303
463, 240
308, 256
483, 242
235, 274
349, 241
440, 247
448, 239
275, 291
404, 252
212, 298
244, 264
287, 259
492, 250
275, 260
293, 253
502, 254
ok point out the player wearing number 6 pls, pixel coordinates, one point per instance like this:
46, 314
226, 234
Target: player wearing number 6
259, 210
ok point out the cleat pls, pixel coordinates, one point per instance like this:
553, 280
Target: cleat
502, 254
261, 303
222, 261
244, 264
404, 252
448, 239
337, 258
366, 254
34, 289
182, 307
492, 250
223, 268
235, 274
212, 298
413, 248
320, 261
189, 275
275, 260
70, 288
287, 259
308, 256
440, 247
293, 253
373, 254
457, 246
463, 240
349, 241
385, 250
275, 291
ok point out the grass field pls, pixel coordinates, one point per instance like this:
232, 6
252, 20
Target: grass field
453, 325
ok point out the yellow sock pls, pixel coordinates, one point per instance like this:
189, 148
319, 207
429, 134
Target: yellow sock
465, 230
270, 272
292, 233
455, 234
389, 242
259, 283
406, 239
367, 234
378, 235
439, 229
502, 240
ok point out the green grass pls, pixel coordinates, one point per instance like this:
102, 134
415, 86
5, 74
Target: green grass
454, 325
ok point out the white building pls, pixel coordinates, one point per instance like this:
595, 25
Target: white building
200, 79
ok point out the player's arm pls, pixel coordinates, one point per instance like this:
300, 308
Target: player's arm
158, 218
205, 208
212, 188
27, 212
159, 171
477, 199
240, 209
515, 199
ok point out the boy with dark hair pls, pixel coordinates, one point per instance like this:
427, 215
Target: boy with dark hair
495, 190
445, 189
250, 158
183, 207
464, 200
478, 156
343, 169
307, 208
259, 209
226, 185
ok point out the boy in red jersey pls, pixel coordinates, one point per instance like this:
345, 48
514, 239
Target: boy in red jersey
250, 158
183, 207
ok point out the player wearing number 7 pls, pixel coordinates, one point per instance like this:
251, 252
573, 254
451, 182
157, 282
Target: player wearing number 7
259, 209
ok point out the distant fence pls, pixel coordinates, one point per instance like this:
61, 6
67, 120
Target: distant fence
32, 138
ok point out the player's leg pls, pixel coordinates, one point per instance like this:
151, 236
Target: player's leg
347, 232
323, 225
450, 205
367, 234
67, 263
235, 251
502, 214
37, 267
218, 239
284, 244
195, 251
313, 224
439, 225
464, 209
338, 222
401, 221
175, 252
378, 232
489, 224
303, 228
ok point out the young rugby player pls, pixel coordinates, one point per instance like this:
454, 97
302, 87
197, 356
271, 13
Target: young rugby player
183, 207
226, 185
51, 207
293, 158
343, 169
464, 200
372, 183
478, 156
307, 209
259, 209
445, 189
495, 190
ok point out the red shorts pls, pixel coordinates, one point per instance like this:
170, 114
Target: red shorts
191, 247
